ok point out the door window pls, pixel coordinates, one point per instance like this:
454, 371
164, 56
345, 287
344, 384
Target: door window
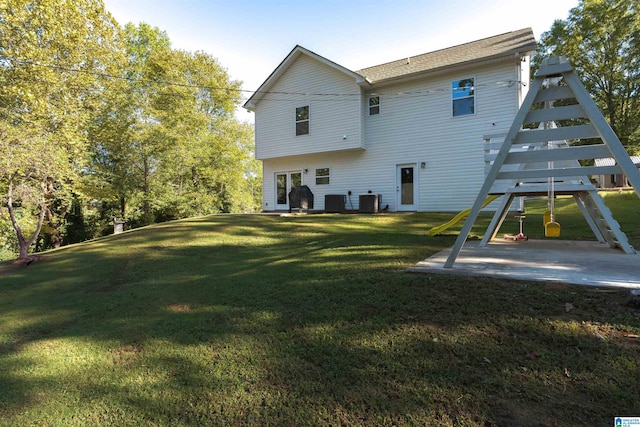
285, 181
406, 187
406, 184
281, 188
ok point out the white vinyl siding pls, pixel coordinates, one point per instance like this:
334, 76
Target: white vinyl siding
331, 117
413, 129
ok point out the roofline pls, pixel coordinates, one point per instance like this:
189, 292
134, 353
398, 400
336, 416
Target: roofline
359, 76
455, 46
528, 50
295, 53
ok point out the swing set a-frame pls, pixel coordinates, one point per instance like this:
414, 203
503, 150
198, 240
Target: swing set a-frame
539, 161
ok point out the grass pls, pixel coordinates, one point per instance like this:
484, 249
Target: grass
309, 320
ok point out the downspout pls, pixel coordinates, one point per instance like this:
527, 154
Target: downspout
523, 74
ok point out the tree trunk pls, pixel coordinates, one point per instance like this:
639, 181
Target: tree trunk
24, 248
123, 205
145, 190
23, 243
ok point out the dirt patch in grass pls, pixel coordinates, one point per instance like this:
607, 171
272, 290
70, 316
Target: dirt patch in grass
180, 308
24, 262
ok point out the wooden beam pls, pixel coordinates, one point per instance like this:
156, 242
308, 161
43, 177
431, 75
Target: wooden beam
564, 172
554, 93
555, 114
557, 134
579, 152
497, 220
543, 189
552, 70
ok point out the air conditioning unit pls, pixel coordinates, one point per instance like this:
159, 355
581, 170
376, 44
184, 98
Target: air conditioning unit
369, 203
334, 203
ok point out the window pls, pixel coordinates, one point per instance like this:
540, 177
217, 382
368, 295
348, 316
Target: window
463, 97
322, 176
374, 105
302, 120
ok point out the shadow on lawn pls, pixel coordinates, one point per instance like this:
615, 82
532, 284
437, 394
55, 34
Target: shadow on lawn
280, 321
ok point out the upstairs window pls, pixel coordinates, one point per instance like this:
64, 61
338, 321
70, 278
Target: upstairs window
463, 97
322, 176
302, 120
374, 105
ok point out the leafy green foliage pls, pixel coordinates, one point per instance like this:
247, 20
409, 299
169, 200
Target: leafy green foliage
8, 242
601, 39
113, 120
50, 54
169, 147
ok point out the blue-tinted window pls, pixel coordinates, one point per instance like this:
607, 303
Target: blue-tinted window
463, 97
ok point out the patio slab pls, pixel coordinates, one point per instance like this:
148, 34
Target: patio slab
565, 261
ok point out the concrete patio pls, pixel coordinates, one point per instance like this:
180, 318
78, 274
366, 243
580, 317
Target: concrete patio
577, 262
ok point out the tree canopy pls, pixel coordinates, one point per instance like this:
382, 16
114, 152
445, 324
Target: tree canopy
111, 121
601, 39
50, 57
159, 145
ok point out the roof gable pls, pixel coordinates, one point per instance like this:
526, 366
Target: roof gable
491, 48
286, 63
502, 45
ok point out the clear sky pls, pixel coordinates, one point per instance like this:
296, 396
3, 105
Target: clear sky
251, 37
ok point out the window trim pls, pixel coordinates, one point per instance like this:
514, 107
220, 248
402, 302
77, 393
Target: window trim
327, 176
301, 121
472, 96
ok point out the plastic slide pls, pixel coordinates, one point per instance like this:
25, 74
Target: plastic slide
439, 229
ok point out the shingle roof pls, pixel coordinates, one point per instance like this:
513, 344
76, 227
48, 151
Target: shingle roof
497, 46
500, 46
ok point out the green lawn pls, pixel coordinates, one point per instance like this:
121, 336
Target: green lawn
309, 320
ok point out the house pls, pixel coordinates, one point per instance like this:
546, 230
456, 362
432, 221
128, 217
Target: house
616, 180
409, 131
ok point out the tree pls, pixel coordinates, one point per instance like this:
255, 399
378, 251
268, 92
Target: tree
159, 144
92, 113
208, 144
51, 56
601, 39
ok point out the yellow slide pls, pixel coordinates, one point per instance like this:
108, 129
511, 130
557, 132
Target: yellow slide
439, 229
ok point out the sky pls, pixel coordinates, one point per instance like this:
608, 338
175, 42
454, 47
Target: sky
249, 38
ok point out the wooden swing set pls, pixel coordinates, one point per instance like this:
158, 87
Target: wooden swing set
539, 162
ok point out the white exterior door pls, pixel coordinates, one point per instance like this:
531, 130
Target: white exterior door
284, 182
406, 187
